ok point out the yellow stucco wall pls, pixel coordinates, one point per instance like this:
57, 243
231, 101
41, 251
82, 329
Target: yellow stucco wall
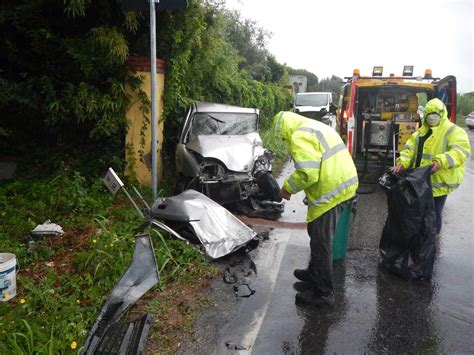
139, 164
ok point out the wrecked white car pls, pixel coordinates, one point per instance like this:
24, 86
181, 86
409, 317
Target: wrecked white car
220, 154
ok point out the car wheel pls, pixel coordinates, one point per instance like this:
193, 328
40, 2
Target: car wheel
268, 186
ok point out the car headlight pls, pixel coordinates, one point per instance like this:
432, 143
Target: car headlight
212, 170
265, 162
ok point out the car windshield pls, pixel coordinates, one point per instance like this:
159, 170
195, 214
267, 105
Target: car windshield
219, 123
312, 100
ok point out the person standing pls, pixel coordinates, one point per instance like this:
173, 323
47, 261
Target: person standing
442, 144
324, 169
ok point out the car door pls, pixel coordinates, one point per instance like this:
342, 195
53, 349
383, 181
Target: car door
445, 90
185, 163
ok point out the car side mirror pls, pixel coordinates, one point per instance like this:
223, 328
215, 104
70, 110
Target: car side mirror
323, 111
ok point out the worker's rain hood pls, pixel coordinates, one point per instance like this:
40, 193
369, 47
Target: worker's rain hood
237, 153
219, 232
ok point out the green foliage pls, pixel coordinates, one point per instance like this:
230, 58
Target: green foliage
250, 40
65, 281
465, 103
332, 85
62, 78
65, 199
277, 146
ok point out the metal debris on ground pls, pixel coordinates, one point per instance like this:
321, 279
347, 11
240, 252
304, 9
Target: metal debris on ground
194, 218
203, 221
141, 276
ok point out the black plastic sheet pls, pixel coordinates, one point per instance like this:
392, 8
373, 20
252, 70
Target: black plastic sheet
408, 245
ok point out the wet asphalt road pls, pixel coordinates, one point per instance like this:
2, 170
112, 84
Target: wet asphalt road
375, 312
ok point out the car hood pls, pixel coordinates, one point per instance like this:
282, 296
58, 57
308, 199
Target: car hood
237, 153
309, 108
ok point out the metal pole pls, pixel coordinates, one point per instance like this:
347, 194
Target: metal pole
154, 120
133, 202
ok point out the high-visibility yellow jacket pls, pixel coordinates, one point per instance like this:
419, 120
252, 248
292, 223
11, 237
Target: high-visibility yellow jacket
448, 145
324, 168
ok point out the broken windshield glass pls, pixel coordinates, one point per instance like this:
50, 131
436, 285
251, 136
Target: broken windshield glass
222, 123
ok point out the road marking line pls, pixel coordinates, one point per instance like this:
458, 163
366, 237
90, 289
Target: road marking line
272, 267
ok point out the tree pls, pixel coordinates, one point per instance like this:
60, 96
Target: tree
465, 103
332, 85
63, 74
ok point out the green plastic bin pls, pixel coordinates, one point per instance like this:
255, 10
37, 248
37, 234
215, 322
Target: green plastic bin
343, 228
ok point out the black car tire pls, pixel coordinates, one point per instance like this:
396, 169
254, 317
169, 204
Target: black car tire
268, 186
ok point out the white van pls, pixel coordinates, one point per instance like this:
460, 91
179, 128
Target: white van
315, 105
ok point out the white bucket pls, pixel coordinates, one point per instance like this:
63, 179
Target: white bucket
7, 276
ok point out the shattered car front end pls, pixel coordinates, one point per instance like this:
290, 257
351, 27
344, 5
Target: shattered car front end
220, 154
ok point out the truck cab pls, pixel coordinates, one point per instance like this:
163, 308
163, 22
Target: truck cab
377, 114
315, 105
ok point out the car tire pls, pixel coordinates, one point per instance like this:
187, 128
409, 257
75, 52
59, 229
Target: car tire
268, 186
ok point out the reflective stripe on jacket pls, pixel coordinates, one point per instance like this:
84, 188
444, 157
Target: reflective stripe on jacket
448, 145
324, 168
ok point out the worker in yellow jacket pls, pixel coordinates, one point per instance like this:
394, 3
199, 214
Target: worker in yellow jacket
442, 144
326, 172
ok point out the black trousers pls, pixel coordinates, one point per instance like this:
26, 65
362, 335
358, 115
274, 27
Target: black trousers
321, 233
439, 205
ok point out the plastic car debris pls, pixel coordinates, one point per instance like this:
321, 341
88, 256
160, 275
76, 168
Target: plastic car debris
229, 277
232, 346
243, 290
125, 337
141, 276
47, 228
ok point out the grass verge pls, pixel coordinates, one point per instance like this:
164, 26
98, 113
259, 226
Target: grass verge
64, 280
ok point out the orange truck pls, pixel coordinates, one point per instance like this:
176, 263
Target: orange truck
377, 114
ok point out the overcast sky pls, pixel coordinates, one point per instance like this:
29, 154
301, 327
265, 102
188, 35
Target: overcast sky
336, 36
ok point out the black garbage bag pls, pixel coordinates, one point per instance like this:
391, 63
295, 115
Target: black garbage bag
408, 245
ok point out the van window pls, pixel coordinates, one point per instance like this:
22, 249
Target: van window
316, 99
